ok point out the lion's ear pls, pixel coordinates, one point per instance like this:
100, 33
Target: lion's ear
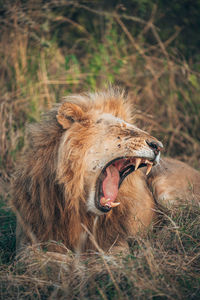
69, 113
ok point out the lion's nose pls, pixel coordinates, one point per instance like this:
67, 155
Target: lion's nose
155, 145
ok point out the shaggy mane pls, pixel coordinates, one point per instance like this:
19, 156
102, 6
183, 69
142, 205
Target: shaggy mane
38, 182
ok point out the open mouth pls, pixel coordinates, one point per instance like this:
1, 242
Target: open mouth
112, 176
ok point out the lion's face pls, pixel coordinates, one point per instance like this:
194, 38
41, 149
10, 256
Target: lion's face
111, 150
119, 149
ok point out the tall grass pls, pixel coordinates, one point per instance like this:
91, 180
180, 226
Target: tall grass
38, 67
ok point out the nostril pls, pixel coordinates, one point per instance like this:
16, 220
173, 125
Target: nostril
152, 145
155, 145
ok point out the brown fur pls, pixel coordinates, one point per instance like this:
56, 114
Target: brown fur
55, 175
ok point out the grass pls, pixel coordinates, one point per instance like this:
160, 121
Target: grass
38, 67
163, 266
7, 234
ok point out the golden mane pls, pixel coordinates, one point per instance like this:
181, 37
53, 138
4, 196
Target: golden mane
52, 209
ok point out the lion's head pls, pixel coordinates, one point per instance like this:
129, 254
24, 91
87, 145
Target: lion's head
73, 170
99, 148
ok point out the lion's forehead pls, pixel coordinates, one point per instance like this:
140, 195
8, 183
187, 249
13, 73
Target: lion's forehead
117, 125
111, 119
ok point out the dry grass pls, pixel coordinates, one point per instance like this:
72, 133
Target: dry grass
163, 266
36, 72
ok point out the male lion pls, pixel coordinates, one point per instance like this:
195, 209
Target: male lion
86, 170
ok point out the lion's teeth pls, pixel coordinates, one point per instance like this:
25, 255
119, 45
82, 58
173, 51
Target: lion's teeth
149, 166
107, 200
137, 163
114, 204
148, 162
104, 200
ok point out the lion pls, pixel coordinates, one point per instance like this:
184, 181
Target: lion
89, 171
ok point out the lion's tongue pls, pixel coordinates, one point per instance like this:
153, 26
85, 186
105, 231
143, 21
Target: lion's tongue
111, 183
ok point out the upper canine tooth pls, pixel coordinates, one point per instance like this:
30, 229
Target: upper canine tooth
114, 204
149, 166
148, 162
137, 163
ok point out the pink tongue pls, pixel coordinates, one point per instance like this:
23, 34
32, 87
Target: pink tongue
111, 182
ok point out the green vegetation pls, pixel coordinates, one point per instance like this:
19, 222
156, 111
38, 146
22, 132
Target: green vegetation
49, 49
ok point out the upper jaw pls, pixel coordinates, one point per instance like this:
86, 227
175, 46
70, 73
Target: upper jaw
104, 200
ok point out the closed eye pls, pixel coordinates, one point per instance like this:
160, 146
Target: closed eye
99, 121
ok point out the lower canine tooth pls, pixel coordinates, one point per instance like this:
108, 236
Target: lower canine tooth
104, 200
107, 200
137, 163
148, 169
114, 204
